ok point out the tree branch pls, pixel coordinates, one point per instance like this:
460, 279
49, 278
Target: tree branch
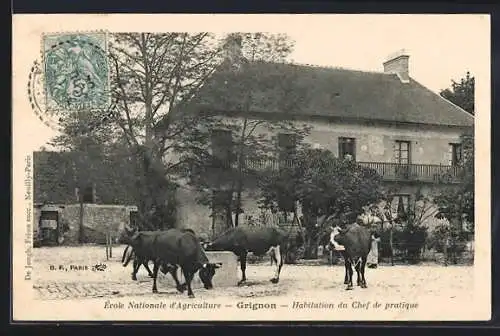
122, 89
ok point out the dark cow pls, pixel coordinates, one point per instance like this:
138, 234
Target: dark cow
355, 241
259, 240
129, 253
176, 247
143, 253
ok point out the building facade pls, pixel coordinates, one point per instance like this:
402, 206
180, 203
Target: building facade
386, 121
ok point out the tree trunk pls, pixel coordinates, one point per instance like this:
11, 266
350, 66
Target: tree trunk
229, 216
391, 246
238, 199
80, 219
213, 222
239, 177
445, 248
310, 249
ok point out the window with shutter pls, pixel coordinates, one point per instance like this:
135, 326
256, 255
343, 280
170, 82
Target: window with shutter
347, 148
134, 219
399, 204
455, 153
402, 152
402, 157
89, 194
222, 145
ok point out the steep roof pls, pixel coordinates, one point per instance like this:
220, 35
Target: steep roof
301, 90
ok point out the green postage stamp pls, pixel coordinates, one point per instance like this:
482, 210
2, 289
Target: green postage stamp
76, 71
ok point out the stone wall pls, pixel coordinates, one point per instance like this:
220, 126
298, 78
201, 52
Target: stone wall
375, 141
97, 220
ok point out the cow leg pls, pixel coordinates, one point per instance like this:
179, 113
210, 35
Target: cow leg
357, 268
349, 274
346, 267
146, 266
135, 268
156, 268
277, 257
362, 271
243, 266
173, 270
188, 275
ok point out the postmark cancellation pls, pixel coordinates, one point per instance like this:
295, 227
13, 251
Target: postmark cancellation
75, 71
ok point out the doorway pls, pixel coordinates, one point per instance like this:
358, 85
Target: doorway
49, 227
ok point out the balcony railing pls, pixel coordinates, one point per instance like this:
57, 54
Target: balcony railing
388, 171
415, 172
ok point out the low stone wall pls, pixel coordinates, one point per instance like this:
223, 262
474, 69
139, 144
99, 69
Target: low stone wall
225, 276
97, 220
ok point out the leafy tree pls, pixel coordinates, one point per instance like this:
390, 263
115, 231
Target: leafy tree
325, 187
86, 155
253, 78
414, 233
53, 177
448, 240
461, 93
456, 203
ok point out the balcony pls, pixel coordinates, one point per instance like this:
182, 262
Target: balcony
415, 172
391, 172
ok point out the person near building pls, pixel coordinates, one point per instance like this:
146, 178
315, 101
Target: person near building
372, 258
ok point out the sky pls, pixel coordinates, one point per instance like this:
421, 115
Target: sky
441, 47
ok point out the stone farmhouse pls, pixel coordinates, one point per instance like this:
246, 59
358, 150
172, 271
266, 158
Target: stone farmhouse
58, 216
384, 120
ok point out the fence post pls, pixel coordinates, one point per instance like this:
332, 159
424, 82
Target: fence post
107, 246
391, 246
445, 249
110, 236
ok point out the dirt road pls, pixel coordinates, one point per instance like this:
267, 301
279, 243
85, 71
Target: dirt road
54, 280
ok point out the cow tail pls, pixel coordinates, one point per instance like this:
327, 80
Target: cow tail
124, 253
130, 257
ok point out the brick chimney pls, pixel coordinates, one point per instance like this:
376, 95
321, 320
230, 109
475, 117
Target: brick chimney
397, 63
232, 50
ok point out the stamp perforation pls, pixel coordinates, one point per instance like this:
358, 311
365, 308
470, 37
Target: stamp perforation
74, 32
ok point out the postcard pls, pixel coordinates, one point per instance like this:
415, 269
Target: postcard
251, 167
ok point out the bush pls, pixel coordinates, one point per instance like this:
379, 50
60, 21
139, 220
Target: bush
414, 239
385, 247
457, 241
407, 241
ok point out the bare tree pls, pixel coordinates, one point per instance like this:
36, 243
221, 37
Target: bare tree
153, 76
